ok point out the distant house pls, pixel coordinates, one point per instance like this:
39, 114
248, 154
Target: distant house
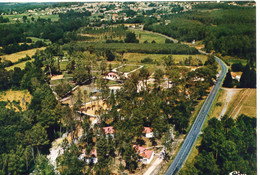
235, 76
112, 76
109, 131
148, 132
91, 158
147, 155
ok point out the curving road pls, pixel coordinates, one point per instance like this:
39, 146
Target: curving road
197, 125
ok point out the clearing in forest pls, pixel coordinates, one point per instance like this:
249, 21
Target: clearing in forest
23, 97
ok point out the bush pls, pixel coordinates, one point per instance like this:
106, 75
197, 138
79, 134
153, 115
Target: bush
62, 89
110, 56
219, 104
147, 60
29, 40
131, 38
168, 41
114, 41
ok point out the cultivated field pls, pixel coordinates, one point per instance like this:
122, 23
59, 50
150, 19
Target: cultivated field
16, 56
245, 103
23, 97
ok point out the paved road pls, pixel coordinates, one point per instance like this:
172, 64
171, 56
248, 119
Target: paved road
197, 125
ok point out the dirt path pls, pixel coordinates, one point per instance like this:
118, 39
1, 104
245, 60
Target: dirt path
229, 94
153, 166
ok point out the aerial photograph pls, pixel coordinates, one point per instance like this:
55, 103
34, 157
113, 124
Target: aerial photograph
128, 87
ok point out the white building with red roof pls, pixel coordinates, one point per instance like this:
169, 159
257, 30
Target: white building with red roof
148, 132
112, 76
147, 155
109, 131
91, 158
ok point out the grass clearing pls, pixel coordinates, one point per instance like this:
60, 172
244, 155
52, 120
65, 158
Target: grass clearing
149, 37
35, 39
23, 97
127, 68
20, 65
18, 55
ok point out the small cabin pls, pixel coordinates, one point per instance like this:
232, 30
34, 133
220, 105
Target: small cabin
109, 131
148, 132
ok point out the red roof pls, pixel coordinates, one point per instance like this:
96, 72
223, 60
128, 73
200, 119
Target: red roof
147, 130
109, 130
143, 152
93, 152
112, 73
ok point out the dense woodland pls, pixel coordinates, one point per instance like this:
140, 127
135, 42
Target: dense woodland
230, 32
226, 145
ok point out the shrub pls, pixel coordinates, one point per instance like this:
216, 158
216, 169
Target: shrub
147, 60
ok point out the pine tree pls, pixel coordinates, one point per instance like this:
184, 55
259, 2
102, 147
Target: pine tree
228, 80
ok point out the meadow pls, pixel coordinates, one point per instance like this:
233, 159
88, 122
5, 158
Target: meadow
18, 55
143, 36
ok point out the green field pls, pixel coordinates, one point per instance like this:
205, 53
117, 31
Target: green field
149, 37
127, 68
34, 39
137, 57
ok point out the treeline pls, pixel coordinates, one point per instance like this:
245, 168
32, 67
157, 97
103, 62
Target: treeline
151, 48
9, 8
13, 48
229, 31
227, 145
108, 32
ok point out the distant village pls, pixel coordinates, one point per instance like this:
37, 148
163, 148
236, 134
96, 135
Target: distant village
114, 11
